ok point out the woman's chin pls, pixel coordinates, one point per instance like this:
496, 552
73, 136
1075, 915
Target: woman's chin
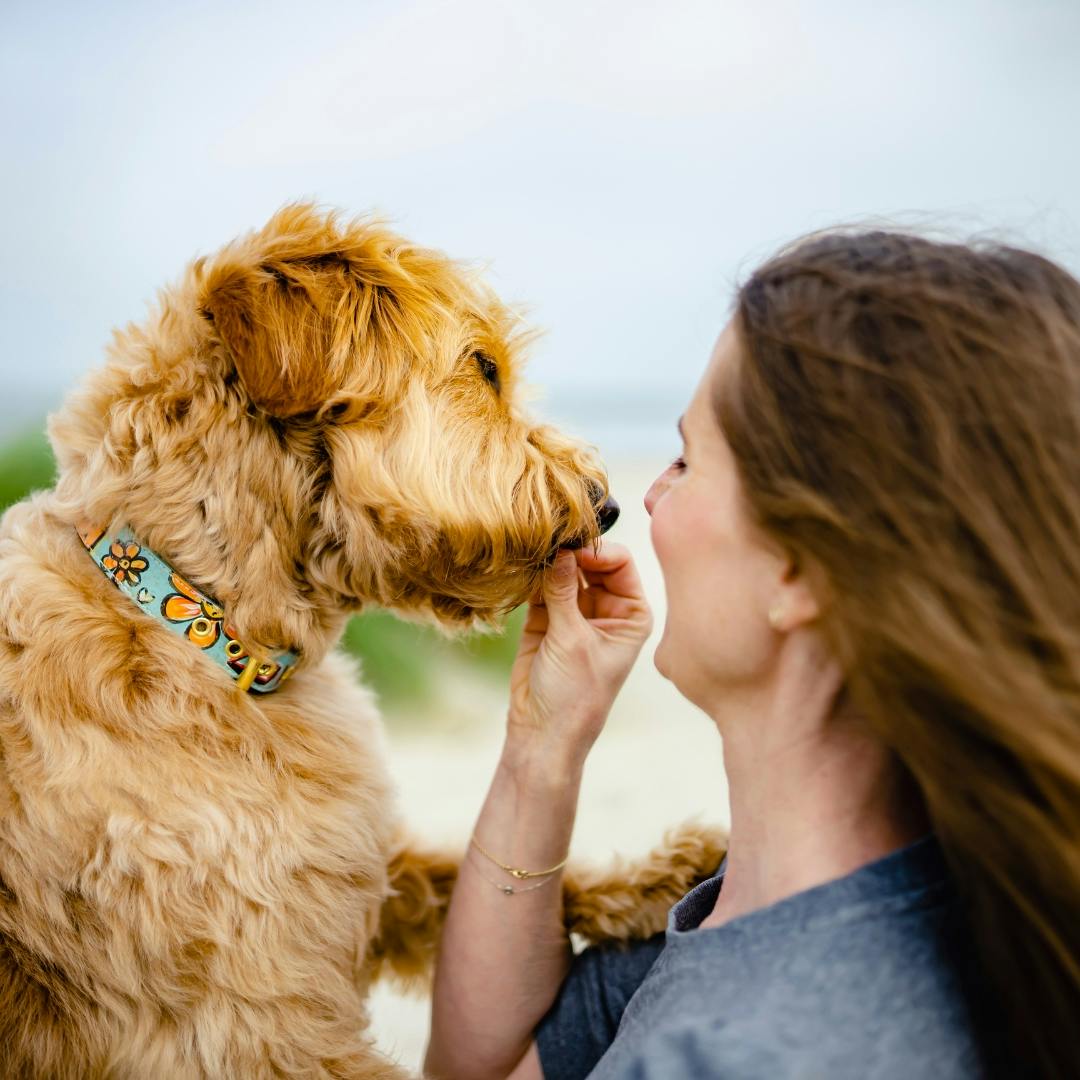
666, 660
660, 659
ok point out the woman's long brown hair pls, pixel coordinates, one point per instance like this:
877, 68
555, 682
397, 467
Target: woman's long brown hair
906, 417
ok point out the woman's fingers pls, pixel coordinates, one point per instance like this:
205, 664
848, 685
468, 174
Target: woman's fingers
606, 555
614, 588
612, 566
561, 589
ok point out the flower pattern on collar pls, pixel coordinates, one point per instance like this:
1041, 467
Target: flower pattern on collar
185, 611
188, 605
124, 563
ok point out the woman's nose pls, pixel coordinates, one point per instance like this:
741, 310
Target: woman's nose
653, 494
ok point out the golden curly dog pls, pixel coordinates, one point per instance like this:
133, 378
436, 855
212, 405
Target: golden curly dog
198, 881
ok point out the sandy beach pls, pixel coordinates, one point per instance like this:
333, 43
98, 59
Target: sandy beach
657, 762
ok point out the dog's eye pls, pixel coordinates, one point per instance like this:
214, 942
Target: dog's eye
488, 368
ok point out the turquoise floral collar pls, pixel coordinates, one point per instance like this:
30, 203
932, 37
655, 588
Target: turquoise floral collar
160, 591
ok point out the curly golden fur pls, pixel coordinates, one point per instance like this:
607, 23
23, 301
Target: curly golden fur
200, 883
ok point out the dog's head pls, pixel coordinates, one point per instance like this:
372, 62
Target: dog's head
338, 409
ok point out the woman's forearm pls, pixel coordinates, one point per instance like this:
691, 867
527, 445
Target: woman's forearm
503, 957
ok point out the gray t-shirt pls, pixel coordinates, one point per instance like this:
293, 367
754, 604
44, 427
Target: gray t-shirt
853, 978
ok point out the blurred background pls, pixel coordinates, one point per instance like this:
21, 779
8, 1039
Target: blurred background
616, 166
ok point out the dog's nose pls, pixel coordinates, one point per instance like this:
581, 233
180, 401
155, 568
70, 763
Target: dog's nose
608, 514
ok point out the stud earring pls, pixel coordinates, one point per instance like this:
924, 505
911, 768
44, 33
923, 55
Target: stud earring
776, 613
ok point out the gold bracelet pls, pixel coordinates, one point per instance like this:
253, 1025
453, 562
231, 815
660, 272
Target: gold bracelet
509, 890
512, 870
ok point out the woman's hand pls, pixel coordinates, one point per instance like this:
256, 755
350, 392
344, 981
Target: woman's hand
576, 650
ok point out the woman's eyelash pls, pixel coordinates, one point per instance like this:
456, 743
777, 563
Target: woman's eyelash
678, 463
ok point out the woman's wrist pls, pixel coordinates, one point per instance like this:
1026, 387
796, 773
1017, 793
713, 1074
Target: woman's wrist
537, 762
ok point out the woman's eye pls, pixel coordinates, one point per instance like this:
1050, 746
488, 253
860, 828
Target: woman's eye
678, 464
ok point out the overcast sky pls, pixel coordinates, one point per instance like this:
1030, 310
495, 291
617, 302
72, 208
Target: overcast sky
616, 165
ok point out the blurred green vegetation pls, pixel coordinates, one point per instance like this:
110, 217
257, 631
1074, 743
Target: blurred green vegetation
26, 464
401, 660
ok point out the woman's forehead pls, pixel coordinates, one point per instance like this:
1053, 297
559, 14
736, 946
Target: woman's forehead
723, 356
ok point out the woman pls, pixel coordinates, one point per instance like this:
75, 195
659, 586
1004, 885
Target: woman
871, 553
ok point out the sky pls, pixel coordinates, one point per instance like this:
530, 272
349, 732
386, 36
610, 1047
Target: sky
616, 166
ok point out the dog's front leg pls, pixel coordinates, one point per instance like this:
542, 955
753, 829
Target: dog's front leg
630, 899
412, 915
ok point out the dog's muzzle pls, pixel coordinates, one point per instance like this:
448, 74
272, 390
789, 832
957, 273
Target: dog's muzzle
607, 513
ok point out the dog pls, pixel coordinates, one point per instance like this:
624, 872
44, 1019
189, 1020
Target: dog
202, 864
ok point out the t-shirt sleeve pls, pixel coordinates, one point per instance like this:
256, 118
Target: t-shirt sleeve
583, 1019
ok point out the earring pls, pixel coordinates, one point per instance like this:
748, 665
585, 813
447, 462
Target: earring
776, 613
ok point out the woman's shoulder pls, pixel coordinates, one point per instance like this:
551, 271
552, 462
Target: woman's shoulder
878, 950
864, 1000
853, 979
693, 1049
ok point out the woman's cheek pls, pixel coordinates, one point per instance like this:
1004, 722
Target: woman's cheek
664, 526
674, 554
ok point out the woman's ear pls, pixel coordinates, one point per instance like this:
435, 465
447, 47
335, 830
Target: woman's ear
278, 328
798, 596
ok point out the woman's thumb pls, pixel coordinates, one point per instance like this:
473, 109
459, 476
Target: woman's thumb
561, 587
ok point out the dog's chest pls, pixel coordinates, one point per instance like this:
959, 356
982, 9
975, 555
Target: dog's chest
282, 806
311, 788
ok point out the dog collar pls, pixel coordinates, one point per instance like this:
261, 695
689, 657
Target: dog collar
160, 591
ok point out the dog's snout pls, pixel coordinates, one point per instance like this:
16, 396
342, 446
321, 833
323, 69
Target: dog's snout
607, 514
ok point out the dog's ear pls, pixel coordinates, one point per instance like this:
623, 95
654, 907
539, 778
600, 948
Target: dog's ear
279, 325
